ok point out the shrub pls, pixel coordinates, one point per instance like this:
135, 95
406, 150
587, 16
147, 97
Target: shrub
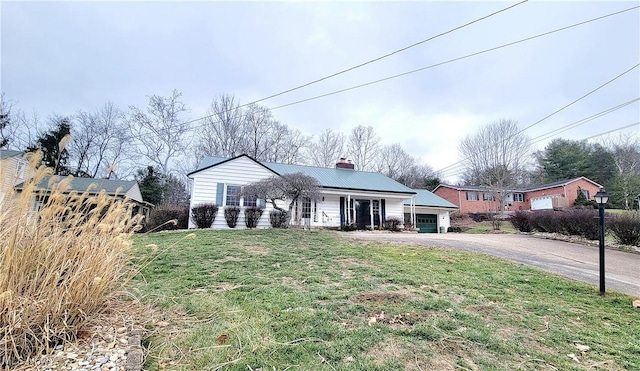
579, 222
168, 217
231, 215
60, 266
349, 227
625, 228
252, 216
203, 215
393, 223
521, 220
545, 221
278, 218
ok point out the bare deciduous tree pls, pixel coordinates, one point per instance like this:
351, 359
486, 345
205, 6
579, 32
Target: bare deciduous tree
362, 146
625, 149
494, 157
287, 187
325, 151
223, 132
160, 132
100, 142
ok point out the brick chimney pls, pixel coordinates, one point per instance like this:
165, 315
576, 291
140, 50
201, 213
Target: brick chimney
344, 164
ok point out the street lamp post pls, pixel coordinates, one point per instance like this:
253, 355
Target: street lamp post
601, 198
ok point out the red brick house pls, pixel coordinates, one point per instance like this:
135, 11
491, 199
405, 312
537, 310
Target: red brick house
557, 195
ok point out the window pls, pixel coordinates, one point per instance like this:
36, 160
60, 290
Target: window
249, 201
585, 192
472, 196
518, 197
22, 164
306, 208
486, 196
233, 196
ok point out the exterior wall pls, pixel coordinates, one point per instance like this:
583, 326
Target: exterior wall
449, 194
10, 174
240, 171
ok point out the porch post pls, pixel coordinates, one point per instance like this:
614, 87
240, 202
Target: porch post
348, 208
413, 211
371, 213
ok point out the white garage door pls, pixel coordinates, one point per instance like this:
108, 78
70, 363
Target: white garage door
542, 203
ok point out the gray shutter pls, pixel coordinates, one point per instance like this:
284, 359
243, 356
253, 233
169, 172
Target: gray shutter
262, 203
219, 193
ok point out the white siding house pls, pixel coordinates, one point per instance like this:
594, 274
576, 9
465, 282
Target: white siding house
347, 197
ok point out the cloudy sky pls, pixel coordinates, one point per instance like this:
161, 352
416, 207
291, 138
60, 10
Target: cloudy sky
60, 57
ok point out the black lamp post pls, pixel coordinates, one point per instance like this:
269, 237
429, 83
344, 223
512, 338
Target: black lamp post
601, 198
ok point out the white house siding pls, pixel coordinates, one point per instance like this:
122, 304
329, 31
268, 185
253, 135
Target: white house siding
134, 193
240, 171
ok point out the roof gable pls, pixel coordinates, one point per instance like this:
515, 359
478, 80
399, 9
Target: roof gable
326, 177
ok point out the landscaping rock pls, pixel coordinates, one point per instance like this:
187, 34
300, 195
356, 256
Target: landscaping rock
636, 304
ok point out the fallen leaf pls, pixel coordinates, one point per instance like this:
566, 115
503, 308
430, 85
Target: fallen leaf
221, 339
162, 323
573, 356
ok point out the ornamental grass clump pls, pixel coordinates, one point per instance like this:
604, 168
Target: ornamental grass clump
60, 265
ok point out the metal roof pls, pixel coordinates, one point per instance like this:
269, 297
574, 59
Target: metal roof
426, 198
7, 153
326, 177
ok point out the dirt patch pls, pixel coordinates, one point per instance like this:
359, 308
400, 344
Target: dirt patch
404, 321
379, 297
256, 250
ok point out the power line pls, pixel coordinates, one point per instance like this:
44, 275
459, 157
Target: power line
423, 68
557, 111
456, 169
365, 63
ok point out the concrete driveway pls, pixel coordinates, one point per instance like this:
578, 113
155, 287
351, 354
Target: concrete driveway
572, 260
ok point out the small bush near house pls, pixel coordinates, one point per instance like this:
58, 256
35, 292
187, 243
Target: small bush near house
521, 220
393, 224
252, 216
203, 215
231, 215
60, 267
279, 219
168, 217
625, 228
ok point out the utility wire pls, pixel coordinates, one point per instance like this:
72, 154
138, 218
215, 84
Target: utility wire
547, 135
423, 68
557, 111
365, 63
587, 138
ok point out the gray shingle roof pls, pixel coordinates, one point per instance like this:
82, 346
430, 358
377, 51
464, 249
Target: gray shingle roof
327, 177
523, 189
7, 153
426, 198
82, 184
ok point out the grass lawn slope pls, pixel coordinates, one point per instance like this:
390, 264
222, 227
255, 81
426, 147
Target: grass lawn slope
299, 300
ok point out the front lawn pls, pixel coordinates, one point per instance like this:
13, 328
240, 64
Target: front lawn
299, 300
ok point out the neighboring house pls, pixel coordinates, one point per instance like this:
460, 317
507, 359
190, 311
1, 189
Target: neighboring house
12, 170
116, 188
431, 212
557, 195
347, 197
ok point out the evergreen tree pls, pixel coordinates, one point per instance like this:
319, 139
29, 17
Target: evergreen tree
152, 185
52, 144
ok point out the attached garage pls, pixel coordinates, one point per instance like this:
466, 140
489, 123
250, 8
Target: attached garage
542, 203
427, 223
431, 212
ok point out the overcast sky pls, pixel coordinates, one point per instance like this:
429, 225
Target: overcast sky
60, 57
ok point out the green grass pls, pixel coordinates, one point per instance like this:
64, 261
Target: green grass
486, 227
290, 299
